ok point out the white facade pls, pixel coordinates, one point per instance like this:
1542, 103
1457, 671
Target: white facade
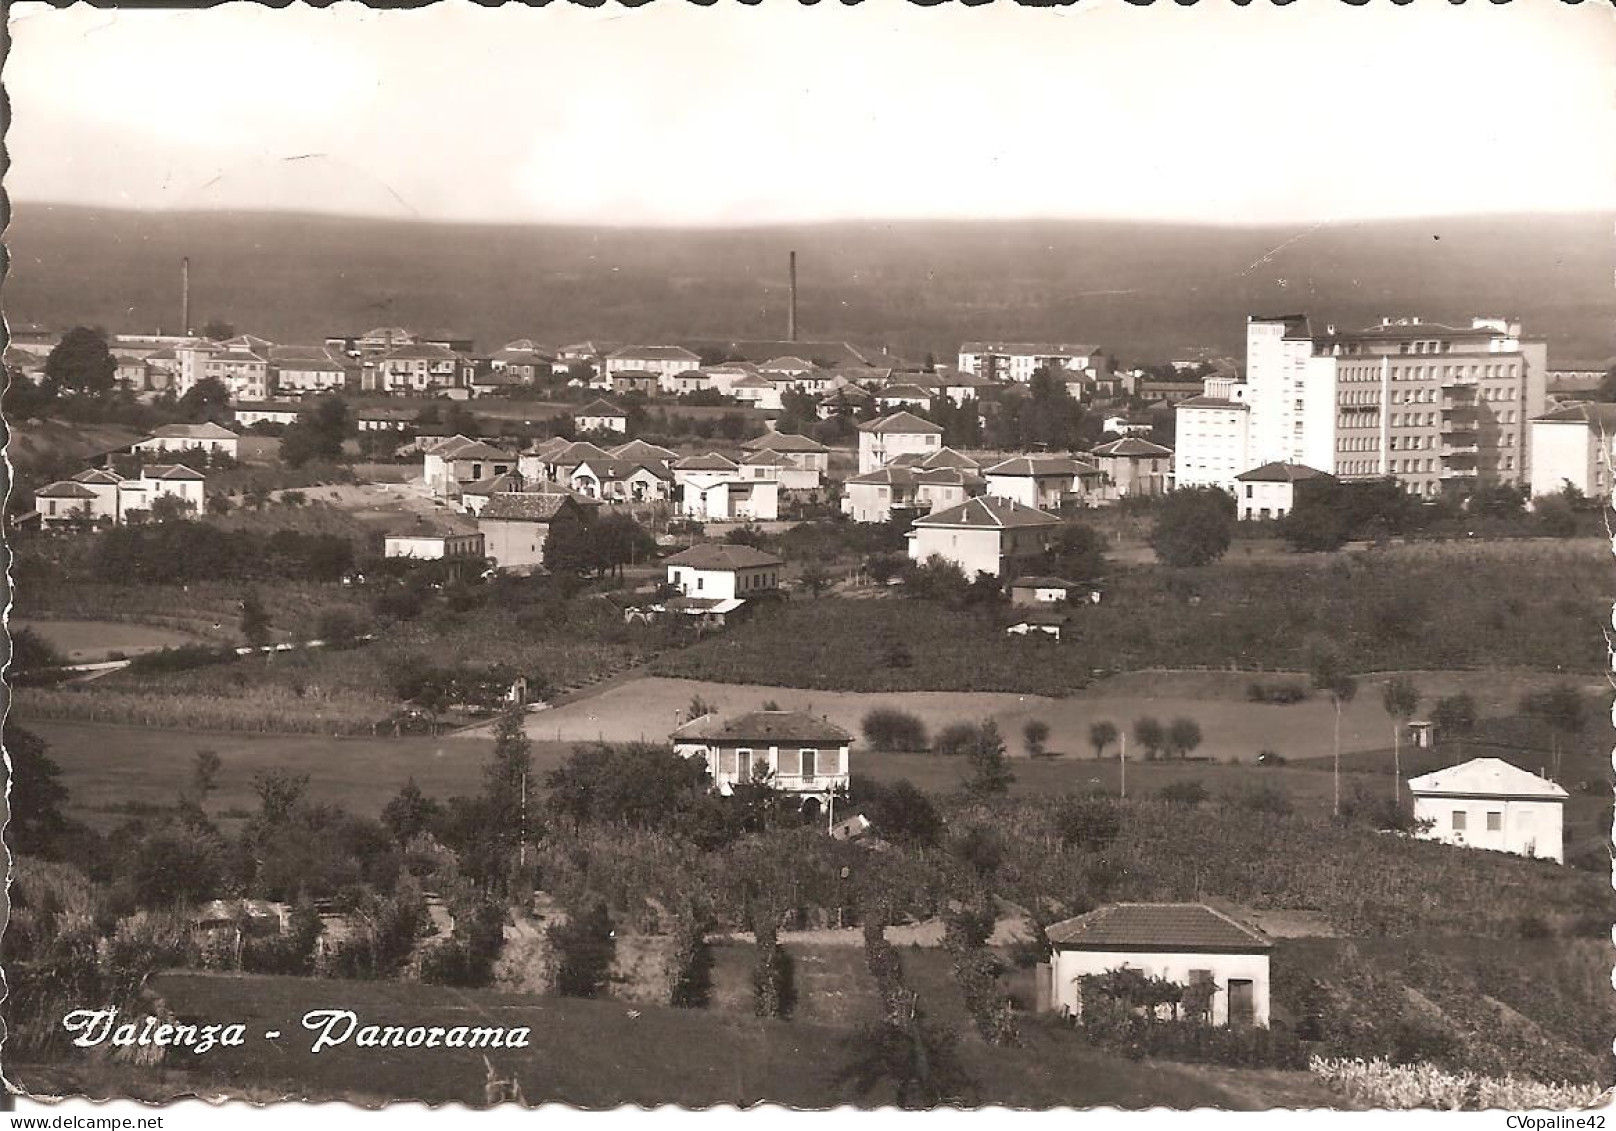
1212, 443
726, 498
724, 584
1488, 803
879, 447
1265, 499
1277, 354
1248, 974
1575, 445
602, 423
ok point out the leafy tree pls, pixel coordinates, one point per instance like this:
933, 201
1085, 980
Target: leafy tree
889, 730
1560, 708
171, 508
176, 865
1193, 527
1035, 734
1454, 714
1555, 515
1101, 735
1327, 667
280, 794
256, 496
1401, 698
36, 821
815, 579
901, 812
882, 568
567, 548
254, 620
31, 652
991, 775
1149, 733
1078, 553
205, 769
81, 365
410, 813
956, 739
1183, 736
582, 950
217, 330
507, 782
208, 399
219, 504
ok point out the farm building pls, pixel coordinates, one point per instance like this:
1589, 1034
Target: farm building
184, 437
427, 542
719, 570
1488, 803
1186, 943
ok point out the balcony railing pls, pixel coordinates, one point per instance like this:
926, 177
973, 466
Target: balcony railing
1457, 473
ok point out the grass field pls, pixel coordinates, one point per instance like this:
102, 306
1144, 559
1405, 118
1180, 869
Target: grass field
84, 641
597, 1054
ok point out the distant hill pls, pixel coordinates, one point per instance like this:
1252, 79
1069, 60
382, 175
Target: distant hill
1148, 292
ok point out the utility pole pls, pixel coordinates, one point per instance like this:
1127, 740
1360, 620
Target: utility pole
1124, 759
522, 854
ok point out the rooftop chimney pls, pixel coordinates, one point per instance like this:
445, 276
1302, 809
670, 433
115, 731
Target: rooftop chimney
791, 315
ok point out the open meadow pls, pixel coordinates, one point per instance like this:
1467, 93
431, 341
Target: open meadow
86, 641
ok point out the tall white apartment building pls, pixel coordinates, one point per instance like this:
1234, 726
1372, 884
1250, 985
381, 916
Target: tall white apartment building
1436, 407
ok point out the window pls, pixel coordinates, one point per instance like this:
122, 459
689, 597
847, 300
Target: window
808, 767
1495, 822
743, 765
1458, 820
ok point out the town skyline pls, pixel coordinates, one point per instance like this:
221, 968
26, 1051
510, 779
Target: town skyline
571, 117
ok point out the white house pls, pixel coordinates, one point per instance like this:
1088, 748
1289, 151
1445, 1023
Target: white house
416, 368
1186, 943
209, 437
174, 479
1133, 468
427, 542
712, 487
461, 460
885, 438
600, 416
1488, 803
1269, 491
1045, 482
248, 413
720, 571
1576, 445
622, 480
663, 362
985, 535
810, 458
799, 754
1018, 361
515, 525
758, 391
300, 370
902, 395
66, 502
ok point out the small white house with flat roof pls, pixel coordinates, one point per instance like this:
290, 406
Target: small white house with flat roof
1488, 803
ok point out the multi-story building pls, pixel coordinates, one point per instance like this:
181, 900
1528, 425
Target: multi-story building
884, 439
423, 368
1018, 361
663, 362
300, 370
1436, 407
244, 373
1574, 445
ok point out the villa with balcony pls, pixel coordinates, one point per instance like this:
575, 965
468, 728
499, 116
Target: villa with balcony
795, 753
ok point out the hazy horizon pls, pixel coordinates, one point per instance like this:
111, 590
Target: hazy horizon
677, 116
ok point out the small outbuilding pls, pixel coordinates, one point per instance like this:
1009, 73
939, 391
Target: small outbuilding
1186, 943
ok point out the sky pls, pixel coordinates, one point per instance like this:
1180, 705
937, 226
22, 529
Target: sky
674, 114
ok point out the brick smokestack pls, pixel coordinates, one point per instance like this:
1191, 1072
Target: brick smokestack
185, 295
791, 315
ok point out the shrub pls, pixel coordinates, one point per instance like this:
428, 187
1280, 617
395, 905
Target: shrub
1189, 793
1091, 824
1281, 694
690, 966
185, 657
774, 992
1036, 734
1379, 1084
991, 775
889, 730
956, 740
582, 951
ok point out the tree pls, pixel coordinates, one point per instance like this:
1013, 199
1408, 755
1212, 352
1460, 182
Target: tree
1454, 714
1035, 734
1150, 734
1101, 735
1193, 527
1607, 386
217, 330
170, 508
1183, 736
1078, 553
815, 579
256, 496
955, 740
991, 775
208, 399
280, 794
1401, 698
1560, 708
900, 812
317, 434
31, 652
410, 813
219, 504
1328, 669
37, 795
507, 781
254, 620
1555, 515
888, 729
81, 365
205, 769
582, 950
882, 568
567, 548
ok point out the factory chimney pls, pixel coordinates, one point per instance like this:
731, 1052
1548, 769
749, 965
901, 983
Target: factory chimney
185, 295
791, 316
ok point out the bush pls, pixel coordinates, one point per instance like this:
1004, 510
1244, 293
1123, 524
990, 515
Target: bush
184, 658
956, 740
582, 949
690, 967
1281, 694
1091, 824
1189, 793
889, 730
774, 992
1036, 734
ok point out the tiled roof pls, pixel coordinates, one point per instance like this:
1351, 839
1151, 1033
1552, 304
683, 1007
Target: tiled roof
507, 482
906, 422
839, 353
170, 472
712, 461
640, 449
891, 475
1600, 415
1281, 472
722, 555
423, 351
447, 446
526, 506
784, 442
551, 446
990, 512
424, 529
1040, 583
766, 459
942, 457
766, 728
753, 381
1030, 349
65, 489
599, 407
612, 469
1036, 466
1158, 926
903, 392
948, 477
208, 431
1484, 777
97, 475
1132, 447
304, 358
571, 455
477, 450
653, 353
786, 364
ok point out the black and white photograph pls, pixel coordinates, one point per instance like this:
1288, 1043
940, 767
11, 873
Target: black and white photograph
810, 555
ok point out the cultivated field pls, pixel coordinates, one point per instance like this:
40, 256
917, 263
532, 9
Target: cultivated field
85, 641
